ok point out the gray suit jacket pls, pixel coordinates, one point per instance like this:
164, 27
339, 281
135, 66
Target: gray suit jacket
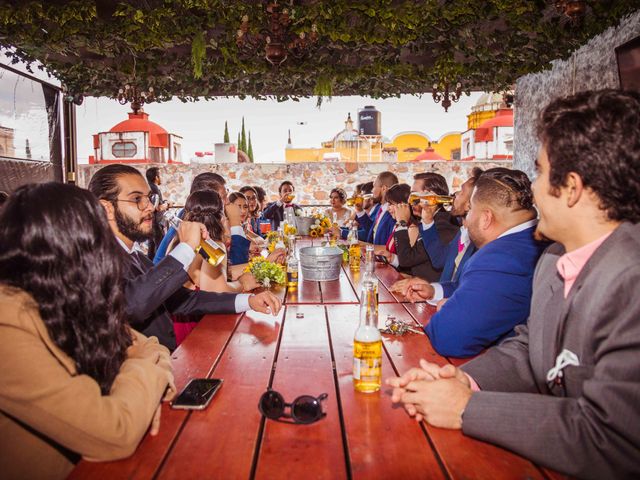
588, 426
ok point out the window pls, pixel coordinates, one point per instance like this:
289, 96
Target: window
124, 149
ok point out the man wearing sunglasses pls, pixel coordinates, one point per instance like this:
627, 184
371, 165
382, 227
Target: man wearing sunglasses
153, 293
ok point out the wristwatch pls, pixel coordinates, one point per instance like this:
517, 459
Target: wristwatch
402, 223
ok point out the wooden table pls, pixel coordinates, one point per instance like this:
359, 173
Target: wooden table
362, 436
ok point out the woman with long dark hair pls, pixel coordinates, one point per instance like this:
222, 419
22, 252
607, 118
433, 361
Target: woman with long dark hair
76, 380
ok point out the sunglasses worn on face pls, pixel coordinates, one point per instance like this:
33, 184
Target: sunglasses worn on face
304, 409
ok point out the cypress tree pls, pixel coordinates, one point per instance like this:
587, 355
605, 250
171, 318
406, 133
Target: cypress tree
243, 138
226, 133
250, 148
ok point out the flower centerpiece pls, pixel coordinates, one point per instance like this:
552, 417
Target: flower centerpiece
320, 226
265, 272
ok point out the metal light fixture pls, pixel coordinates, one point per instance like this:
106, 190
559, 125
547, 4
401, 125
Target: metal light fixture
130, 94
278, 41
442, 94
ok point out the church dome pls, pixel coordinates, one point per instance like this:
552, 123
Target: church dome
489, 102
139, 122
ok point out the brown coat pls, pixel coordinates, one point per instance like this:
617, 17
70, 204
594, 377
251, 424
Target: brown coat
50, 416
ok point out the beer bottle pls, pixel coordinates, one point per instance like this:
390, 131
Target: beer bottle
430, 199
367, 344
354, 249
208, 249
292, 264
370, 272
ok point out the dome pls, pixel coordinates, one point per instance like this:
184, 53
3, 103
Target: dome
503, 118
139, 122
346, 136
489, 101
428, 154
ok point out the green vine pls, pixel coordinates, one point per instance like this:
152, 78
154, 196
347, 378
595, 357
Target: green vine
198, 52
380, 48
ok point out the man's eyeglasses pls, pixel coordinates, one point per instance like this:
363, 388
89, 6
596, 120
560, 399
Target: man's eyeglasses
304, 409
141, 201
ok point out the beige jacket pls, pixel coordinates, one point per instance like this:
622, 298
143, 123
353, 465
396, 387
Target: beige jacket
50, 416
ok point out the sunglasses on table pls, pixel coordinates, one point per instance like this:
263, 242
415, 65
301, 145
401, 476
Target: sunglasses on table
304, 409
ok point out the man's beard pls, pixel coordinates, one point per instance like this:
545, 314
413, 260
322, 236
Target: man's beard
130, 229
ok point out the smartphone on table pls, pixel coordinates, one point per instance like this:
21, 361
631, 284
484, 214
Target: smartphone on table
197, 394
381, 259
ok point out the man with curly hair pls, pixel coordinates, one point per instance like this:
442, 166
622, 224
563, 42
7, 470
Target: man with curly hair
564, 392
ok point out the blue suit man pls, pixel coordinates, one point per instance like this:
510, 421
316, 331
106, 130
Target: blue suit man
367, 223
492, 294
444, 255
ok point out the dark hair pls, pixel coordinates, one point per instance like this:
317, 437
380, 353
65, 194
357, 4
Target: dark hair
248, 188
434, 182
104, 183
56, 245
260, 192
504, 187
286, 182
235, 196
3, 197
256, 210
399, 193
388, 178
207, 181
206, 207
367, 187
475, 174
151, 174
341, 193
596, 134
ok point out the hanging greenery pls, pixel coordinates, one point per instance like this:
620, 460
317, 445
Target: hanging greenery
380, 48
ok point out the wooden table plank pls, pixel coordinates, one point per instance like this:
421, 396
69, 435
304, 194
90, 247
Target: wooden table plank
338, 291
194, 358
219, 442
355, 277
383, 441
308, 292
387, 275
304, 367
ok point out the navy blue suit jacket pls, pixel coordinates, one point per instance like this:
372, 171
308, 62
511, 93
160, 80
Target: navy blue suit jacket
493, 296
239, 250
365, 222
443, 255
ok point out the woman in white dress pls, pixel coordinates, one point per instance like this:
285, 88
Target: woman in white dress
338, 213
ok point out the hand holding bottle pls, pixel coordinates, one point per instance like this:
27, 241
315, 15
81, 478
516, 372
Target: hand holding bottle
192, 233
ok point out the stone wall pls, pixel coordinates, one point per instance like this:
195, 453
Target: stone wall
313, 181
591, 67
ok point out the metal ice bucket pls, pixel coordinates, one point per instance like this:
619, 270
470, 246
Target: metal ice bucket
321, 264
303, 224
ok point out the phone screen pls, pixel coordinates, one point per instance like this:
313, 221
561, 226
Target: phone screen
197, 394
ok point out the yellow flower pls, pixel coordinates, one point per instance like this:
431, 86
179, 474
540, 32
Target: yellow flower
272, 246
313, 233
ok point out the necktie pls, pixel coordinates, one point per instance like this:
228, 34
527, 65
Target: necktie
377, 221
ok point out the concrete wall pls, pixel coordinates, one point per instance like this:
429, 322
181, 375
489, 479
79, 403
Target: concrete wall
591, 67
313, 181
